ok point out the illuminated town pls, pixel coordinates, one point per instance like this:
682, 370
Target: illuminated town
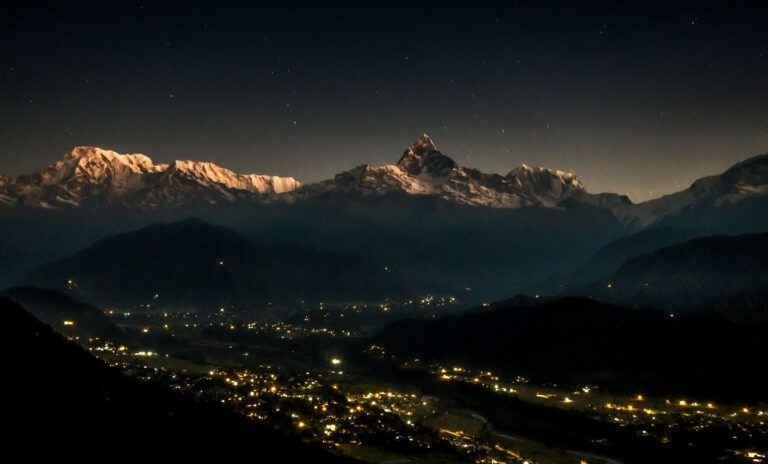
324, 399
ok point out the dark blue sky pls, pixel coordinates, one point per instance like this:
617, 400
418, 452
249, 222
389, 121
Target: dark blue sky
640, 99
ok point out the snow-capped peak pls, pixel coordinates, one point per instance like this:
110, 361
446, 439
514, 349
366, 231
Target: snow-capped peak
422, 146
135, 161
422, 157
84, 156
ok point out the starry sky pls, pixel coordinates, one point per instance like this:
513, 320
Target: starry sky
639, 99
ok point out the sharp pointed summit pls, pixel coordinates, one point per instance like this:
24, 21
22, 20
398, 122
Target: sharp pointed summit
423, 157
422, 146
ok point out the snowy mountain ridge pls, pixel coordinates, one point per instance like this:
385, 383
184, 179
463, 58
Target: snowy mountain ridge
423, 170
93, 177
96, 177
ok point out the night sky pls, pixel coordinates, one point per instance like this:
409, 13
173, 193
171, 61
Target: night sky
639, 100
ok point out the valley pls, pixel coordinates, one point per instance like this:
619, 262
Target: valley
389, 331
324, 379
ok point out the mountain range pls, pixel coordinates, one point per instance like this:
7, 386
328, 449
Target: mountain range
452, 227
96, 178
89, 177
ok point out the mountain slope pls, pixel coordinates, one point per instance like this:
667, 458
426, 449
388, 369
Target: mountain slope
95, 178
33, 237
196, 264
609, 257
729, 272
72, 406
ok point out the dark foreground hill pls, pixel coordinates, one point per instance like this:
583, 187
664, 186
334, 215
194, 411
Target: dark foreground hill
581, 341
197, 264
62, 402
